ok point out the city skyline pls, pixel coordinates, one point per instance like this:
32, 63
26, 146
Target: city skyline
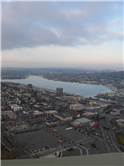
62, 34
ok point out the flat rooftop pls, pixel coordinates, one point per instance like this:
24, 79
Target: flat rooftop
110, 159
34, 140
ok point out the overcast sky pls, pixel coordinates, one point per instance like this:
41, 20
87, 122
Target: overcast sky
62, 34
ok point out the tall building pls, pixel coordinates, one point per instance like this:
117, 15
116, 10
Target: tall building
59, 91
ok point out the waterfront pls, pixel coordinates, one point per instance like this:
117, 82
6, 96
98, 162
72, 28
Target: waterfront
86, 90
57, 124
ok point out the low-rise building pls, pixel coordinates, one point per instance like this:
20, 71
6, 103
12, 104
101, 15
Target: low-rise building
81, 122
89, 114
63, 119
120, 123
15, 107
72, 99
10, 114
76, 107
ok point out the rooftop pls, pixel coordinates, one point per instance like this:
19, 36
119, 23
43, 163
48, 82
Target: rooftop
111, 159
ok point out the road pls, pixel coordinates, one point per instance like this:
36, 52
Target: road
109, 140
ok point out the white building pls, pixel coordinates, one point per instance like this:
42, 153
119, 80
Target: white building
81, 122
76, 107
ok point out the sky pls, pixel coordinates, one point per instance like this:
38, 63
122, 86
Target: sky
63, 34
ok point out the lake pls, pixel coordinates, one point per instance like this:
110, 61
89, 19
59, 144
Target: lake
86, 90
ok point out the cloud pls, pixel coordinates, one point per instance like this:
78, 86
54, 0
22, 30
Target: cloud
105, 56
31, 24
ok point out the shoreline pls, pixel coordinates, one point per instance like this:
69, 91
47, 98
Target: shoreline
112, 88
80, 82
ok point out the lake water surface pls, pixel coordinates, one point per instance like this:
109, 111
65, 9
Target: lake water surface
86, 90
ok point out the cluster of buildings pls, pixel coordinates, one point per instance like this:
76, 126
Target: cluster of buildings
43, 122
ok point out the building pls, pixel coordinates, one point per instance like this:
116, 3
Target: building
15, 107
81, 122
59, 91
63, 118
76, 107
120, 123
37, 113
10, 114
95, 125
115, 112
50, 112
72, 99
90, 114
